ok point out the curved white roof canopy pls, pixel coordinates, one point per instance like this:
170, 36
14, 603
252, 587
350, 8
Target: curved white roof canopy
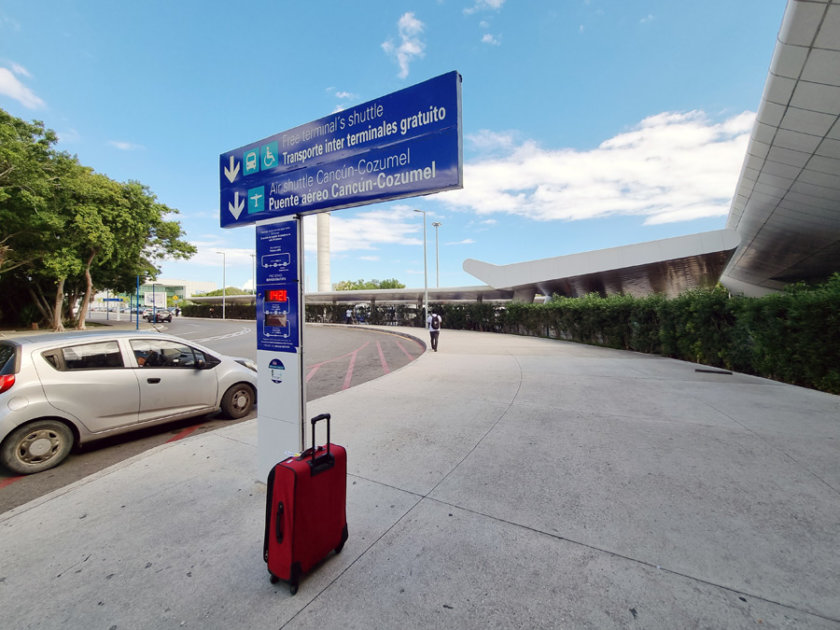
669, 266
786, 208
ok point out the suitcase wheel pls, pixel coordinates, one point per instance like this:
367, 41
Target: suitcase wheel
343, 540
293, 586
294, 578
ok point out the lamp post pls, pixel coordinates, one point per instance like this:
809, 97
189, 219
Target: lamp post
224, 283
254, 273
436, 225
425, 270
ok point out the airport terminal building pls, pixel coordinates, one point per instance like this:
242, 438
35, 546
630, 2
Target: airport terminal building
784, 219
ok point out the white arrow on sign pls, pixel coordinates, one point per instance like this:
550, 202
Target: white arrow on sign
237, 206
233, 171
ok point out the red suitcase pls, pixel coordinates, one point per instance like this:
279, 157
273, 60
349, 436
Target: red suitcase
305, 510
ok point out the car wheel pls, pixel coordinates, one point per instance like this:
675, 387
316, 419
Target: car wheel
36, 446
238, 401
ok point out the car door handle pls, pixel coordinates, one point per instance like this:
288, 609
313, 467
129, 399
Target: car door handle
153, 380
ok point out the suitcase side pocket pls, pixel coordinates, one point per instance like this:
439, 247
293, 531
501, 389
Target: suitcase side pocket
278, 523
268, 498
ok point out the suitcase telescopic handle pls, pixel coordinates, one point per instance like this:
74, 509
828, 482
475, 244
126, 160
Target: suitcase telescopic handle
325, 461
316, 419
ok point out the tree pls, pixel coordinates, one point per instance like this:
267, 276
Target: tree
227, 291
361, 285
26, 183
68, 231
125, 232
391, 283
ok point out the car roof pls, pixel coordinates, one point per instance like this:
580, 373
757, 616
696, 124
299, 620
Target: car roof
57, 339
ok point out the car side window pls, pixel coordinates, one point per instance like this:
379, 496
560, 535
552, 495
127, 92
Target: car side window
160, 353
89, 356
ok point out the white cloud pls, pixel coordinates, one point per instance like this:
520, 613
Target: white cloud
19, 69
490, 39
367, 230
207, 255
491, 142
647, 19
671, 167
410, 46
466, 241
125, 146
484, 5
12, 24
342, 94
11, 86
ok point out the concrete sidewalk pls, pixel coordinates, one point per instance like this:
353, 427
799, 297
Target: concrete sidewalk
503, 482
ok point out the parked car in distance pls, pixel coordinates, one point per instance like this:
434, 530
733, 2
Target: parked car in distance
159, 315
59, 390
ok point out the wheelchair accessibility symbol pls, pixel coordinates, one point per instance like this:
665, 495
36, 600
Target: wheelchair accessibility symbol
269, 155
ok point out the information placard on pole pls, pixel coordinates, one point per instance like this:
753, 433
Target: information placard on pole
282, 388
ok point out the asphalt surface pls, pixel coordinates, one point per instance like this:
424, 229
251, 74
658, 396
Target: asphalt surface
337, 357
503, 482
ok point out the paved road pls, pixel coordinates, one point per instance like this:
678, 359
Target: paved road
336, 358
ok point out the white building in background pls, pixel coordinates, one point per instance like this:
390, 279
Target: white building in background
190, 287
170, 287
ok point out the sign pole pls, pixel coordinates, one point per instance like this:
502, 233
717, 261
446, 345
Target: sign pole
280, 317
301, 332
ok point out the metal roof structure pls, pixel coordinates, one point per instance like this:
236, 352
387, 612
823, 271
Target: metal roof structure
786, 208
668, 266
413, 296
382, 296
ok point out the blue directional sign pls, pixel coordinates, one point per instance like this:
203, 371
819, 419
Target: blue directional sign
278, 285
404, 144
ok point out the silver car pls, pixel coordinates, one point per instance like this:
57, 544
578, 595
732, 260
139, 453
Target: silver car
59, 390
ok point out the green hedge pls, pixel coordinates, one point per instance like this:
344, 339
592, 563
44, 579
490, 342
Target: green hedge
792, 336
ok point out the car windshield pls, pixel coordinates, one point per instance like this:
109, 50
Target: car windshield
7, 355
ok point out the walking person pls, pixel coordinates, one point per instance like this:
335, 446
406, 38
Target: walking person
433, 323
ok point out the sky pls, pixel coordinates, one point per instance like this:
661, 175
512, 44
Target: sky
586, 124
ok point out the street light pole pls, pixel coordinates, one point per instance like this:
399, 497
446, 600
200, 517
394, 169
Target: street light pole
436, 225
224, 283
425, 270
254, 273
